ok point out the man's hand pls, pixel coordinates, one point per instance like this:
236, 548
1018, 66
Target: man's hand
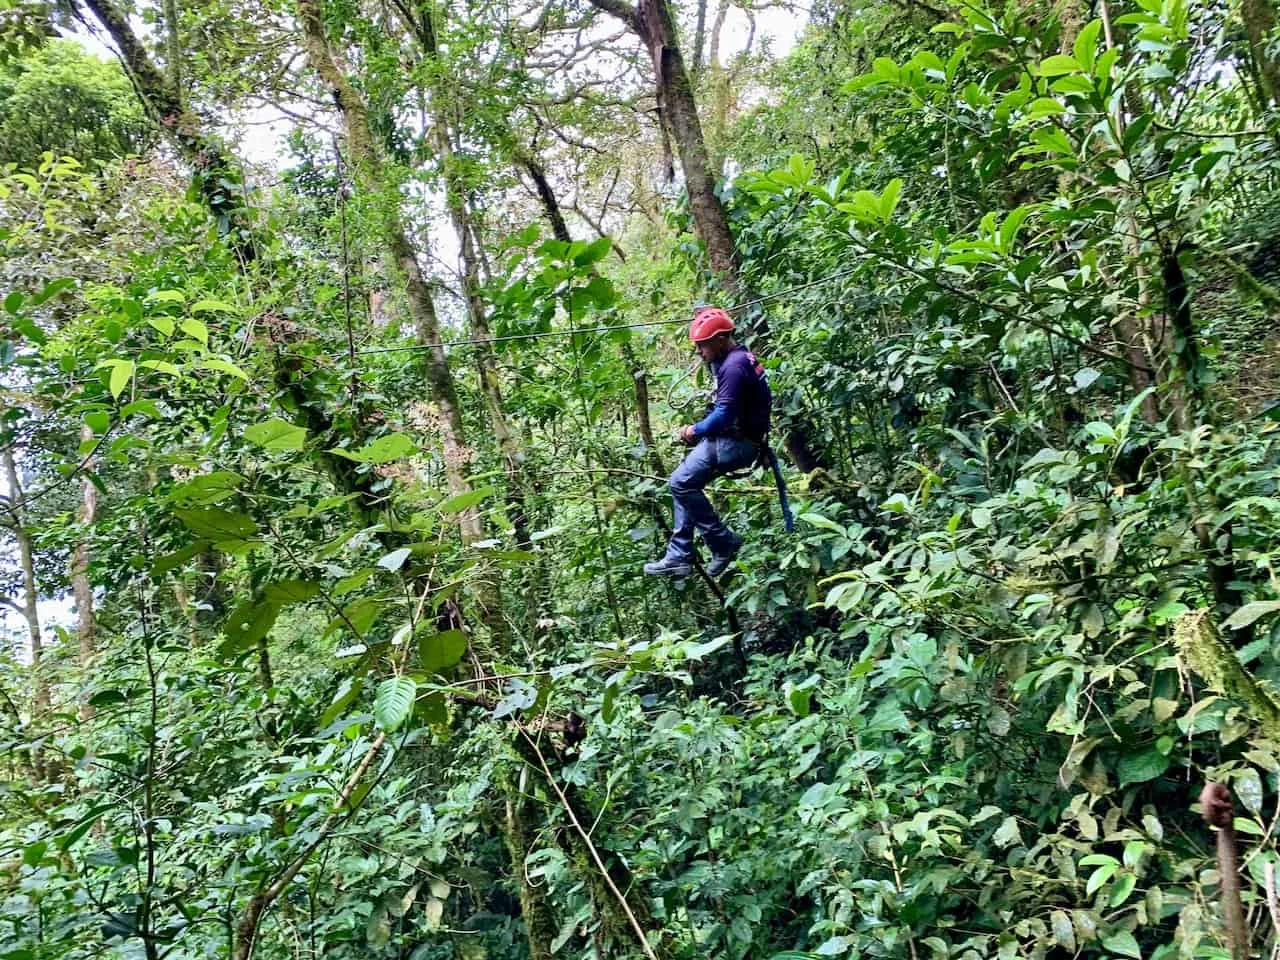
686, 436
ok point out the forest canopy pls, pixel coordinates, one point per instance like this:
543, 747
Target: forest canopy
331, 467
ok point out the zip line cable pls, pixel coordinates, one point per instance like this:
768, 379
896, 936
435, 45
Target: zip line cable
574, 331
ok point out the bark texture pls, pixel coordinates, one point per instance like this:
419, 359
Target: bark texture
653, 23
367, 162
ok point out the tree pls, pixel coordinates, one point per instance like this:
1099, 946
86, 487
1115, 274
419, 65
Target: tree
57, 98
653, 23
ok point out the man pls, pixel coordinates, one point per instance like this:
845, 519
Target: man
731, 437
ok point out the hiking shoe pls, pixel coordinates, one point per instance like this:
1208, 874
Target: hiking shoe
720, 562
668, 567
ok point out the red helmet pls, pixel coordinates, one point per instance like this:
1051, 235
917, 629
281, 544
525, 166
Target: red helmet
707, 322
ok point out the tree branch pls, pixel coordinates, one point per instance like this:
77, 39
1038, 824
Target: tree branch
622, 10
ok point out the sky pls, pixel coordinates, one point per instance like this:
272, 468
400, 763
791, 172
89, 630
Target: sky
262, 131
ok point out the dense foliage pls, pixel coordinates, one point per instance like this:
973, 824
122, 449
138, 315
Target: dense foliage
328, 482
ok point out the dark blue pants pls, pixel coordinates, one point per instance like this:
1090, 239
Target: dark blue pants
712, 457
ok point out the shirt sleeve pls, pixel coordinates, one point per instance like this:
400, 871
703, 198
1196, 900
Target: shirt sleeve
729, 385
718, 421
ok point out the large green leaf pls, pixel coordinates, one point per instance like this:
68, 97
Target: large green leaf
1142, 766
291, 591
215, 524
348, 690
394, 446
393, 702
460, 502
276, 434
1250, 612
206, 489
171, 561
248, 623
439, 651
1122, 944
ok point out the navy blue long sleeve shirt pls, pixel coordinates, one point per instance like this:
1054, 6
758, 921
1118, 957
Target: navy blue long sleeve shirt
742, 398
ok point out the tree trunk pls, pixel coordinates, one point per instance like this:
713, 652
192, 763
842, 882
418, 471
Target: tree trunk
539, 923
367, 162
216, 174
1259, 26
550, 206
30, 592
699, 39
718, 89
652, 21
640, 384
81, 587
486, 361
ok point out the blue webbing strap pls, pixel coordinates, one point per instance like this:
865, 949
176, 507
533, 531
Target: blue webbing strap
787, 519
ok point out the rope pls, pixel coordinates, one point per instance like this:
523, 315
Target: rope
574, 331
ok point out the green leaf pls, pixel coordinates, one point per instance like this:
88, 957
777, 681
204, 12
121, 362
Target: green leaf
607, 702
433, 711
121, 374
1058, 64
889, 199
1099, 877
1008, 833
51, 290
393, 703
13, 302
167, 296
248, 623
160, 366
195, 329
1121, 889
206, 489
439, 651
1248, 787
798, 698
171, 561
352, 582
361, 614
147, 408
460, 502
286, 592
215, 524
1087, 44
378, 930
1053, 140
393, 446
1063, 931
348, 690
276, 434
163, 324
107, 698
1122, 944
596, 251
1142, 766
223, 366
600, 289
99, 421
33, 853
83, 825
202, 306
1250, 612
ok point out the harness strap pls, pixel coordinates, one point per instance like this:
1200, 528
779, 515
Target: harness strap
766, 459
788, 520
